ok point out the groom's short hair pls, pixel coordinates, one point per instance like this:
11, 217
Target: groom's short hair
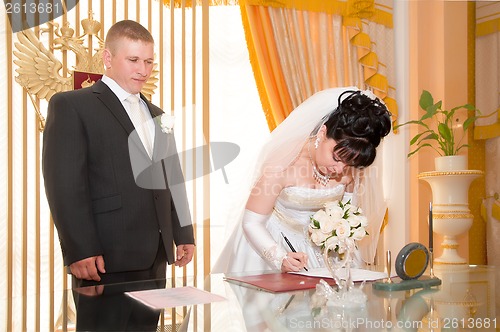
126, 29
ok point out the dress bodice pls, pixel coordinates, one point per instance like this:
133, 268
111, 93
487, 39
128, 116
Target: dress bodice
260, 249
295, 205
310, 199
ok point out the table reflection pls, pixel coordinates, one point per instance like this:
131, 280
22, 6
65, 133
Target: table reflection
464, 302
466, 299
108, 308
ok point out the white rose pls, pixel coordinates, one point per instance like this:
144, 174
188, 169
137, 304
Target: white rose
317, 236
326, 223
332, 242
319, 215
334, 210
354, 220
363, 221
359, 233
343, 230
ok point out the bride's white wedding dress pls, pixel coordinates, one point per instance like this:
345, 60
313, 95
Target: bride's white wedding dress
295, 205
291, 217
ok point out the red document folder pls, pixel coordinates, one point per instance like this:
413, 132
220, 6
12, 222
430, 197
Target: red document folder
278, 282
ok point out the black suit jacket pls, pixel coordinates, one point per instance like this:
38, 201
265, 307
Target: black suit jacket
96, 204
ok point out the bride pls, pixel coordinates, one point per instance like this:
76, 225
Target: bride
316, 155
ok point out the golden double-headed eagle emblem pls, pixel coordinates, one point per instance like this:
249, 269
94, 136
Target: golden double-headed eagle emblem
42, 71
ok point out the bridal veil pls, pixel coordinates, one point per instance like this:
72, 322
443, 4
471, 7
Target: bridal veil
280, 151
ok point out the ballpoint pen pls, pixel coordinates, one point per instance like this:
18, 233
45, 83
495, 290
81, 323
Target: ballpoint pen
290, 246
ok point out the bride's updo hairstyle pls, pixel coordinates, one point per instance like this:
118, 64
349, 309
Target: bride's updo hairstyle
358, 125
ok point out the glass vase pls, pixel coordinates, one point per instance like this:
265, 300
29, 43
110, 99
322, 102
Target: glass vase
339, 266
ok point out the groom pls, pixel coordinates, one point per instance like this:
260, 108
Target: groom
112, 229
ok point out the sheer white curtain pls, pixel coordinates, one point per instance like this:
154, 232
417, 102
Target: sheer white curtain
236, 114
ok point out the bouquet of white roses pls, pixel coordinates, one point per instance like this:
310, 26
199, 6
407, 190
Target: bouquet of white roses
338, 226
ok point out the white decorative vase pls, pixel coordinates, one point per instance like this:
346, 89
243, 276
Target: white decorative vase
450, 163
450, 195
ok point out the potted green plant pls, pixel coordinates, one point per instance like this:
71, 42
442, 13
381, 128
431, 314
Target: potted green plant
445, 134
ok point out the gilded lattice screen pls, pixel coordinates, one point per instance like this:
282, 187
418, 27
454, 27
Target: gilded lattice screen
45, 59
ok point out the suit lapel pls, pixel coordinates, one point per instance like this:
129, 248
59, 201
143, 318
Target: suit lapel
116, 108
114, 105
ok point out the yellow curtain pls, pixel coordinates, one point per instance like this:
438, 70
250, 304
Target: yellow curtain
298, 47
273, 92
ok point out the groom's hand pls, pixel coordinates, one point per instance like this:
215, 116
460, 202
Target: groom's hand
88, 268
184, 254
294, 262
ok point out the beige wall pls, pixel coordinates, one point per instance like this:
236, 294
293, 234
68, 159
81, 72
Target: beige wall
441, 53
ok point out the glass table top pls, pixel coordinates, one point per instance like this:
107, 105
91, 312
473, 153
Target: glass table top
465, 301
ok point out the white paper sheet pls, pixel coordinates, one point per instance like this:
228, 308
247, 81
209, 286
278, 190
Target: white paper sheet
357, 274
174, 297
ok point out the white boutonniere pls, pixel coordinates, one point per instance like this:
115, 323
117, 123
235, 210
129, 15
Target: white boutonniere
167, 122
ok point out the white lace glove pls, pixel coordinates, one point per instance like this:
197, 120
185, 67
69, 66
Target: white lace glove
254, 228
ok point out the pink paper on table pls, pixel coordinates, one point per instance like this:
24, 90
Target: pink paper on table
174, 297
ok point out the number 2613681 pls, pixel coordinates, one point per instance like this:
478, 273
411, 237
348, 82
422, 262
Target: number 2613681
32, 8
469, 323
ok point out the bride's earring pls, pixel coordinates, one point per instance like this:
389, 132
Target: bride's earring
316, 143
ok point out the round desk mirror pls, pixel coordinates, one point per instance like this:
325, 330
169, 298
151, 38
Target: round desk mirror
412, 261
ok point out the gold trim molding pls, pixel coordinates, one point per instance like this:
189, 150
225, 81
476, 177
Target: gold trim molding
434, 173
453, 216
